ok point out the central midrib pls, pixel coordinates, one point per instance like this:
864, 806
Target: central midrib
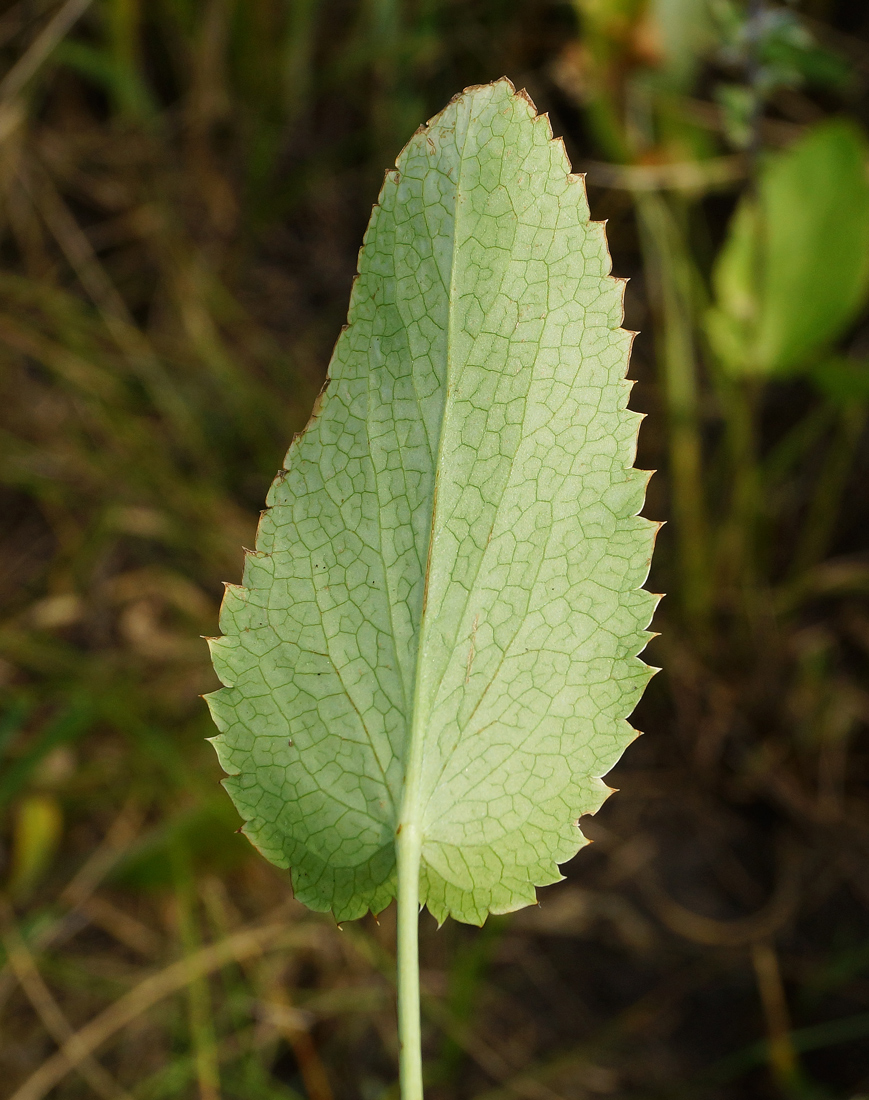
411, 813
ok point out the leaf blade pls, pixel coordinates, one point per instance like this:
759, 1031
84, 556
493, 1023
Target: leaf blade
406, 586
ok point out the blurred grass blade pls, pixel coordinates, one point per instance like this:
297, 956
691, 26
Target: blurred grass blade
299, 56
11, 722
56, 1024
37, 830
244, 944
199, 1008
69, 725
41, 48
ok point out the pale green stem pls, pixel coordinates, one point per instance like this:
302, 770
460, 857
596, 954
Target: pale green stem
408, 849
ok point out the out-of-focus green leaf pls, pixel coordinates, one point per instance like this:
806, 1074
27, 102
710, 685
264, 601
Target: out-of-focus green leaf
794, 270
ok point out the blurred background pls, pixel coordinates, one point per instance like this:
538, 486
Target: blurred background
184, 185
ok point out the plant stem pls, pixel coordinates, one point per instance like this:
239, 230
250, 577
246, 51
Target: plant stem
739, 536
784, 1063
408, 849
672, 286
825, 509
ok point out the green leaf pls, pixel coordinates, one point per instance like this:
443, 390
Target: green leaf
440, 624
794, 270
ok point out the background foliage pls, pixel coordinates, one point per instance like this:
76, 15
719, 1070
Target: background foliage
183, 188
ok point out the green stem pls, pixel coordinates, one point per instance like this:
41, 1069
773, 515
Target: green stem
820, 522
672, 285
739, 536
408, 849
796, 444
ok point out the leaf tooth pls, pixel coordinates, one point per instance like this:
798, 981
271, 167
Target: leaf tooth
354, 288
260, 533
235, 596
622, 283
544, 120
390, 175
657, 524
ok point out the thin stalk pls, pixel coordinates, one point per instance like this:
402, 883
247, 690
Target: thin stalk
123, 25
737, 565
784, 1064
388, 100
793, 448
466, 977
298, 58
820, 522
408, 849
41, 48
199, 1008
673, 286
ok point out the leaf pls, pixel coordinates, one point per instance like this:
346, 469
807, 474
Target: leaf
794, 270
441, 621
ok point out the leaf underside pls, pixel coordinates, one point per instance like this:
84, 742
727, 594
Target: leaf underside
453, 551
